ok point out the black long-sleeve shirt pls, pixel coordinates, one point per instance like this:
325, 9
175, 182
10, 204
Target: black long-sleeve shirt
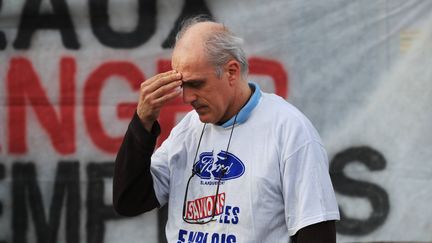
133, 191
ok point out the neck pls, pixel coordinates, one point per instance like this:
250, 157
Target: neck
241, 97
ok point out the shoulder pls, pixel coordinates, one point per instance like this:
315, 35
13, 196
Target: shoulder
287, 119
281, 107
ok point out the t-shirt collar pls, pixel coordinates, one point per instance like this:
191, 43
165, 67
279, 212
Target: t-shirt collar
247, 109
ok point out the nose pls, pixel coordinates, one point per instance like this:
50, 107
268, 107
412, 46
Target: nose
188, 95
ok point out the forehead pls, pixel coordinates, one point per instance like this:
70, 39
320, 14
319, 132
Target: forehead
191, 63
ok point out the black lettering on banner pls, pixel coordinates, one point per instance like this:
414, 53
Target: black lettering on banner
97, 211
99, 19
2, 35
376, 195
26, 195
32, 20
190, 8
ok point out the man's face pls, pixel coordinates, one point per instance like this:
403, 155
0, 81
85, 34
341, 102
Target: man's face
209, 95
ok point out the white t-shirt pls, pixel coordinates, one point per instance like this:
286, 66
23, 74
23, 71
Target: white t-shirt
276, 178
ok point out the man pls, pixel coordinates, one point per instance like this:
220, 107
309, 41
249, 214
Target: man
244, 166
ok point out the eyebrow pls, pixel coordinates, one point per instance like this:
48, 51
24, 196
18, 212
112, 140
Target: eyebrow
193, 83
193, 80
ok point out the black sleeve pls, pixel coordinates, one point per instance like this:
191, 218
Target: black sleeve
323, 232
133, 191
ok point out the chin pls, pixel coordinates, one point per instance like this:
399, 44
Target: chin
207, 119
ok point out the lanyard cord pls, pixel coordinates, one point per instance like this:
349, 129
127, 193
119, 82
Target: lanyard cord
199, 143
232, 130
197, 149
194, 172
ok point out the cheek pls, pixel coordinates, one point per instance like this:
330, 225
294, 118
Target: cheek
221, 106
216, 99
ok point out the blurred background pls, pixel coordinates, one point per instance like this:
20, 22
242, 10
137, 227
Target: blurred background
361, 70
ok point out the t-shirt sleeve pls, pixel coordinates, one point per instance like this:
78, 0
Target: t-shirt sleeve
160, 172
169, 153
307, 189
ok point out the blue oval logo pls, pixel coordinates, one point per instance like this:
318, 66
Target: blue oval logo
226, 167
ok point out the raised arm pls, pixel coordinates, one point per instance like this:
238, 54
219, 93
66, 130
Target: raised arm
133, 191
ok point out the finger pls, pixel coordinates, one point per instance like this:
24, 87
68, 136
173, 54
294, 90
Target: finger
159, 102
160, 82
149, 98
158, 77
164, 74
166, 89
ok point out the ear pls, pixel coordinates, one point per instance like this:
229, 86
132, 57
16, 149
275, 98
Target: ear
232, 69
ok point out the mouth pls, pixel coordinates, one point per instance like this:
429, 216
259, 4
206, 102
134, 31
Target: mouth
200, 109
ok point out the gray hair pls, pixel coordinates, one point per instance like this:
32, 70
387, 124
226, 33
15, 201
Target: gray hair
220, 46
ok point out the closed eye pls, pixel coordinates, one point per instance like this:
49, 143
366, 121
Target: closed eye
193, 84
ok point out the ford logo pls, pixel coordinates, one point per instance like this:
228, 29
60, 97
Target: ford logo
226, 167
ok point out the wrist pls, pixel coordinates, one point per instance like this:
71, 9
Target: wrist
146, 122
